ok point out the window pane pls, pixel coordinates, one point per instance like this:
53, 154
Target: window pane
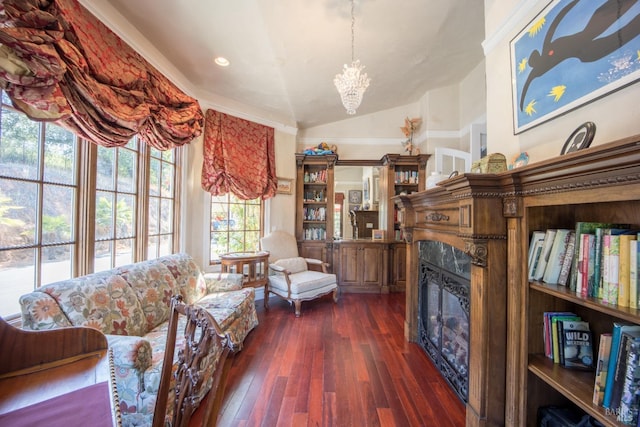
104, 215
154, 177
56, 263
17, 276
124, 216
166, 215
19, 151
59, 156
106, 162
252, 240
18, 212
57, 218
124, 252
167, 181
154, 220
102, 259
167, 156
166, 247
152, 247
126, 170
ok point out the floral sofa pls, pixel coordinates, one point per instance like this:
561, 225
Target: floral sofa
131, 305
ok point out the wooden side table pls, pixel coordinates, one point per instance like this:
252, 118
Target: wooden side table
253, 265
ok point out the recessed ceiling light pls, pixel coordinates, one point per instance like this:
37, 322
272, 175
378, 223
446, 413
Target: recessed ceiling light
223, 62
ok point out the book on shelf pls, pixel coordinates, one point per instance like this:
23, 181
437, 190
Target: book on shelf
537, 237
576, 344
634, 253
619, 373
611, 259
584, 258
616, 334
547, 333
535, 258
624, 273
556, 335
543, 258
630, 399
581, 228
565, 271
601, 366
610, 262
556, 256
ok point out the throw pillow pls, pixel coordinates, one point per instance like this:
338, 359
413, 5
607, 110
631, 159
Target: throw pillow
293, 265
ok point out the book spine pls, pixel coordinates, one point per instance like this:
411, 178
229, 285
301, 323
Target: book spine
606, 246
613, 355
568, 259
624, 271
629, 400
619, 372
597, 262
633, 273
602, 363
614, 269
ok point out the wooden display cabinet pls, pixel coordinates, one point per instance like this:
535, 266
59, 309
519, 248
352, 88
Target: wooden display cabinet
400, 175
314, 205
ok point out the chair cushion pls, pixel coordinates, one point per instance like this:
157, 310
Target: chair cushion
302, 282
293, 265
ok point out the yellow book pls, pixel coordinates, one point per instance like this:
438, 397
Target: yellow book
624, 272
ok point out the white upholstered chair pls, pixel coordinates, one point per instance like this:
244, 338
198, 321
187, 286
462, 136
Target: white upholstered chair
290, 277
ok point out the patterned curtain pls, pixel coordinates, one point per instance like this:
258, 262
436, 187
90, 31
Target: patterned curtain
239, 157
60, 63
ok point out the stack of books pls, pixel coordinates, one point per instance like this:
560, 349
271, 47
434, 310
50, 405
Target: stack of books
568, 341
598, 260
617, 381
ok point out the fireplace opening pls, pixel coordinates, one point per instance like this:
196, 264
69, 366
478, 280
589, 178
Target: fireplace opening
443, 311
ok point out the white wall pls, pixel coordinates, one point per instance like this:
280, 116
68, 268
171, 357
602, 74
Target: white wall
613, 114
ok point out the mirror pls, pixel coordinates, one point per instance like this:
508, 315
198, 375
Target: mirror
356, 186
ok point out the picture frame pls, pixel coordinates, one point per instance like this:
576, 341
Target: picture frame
355, 197
377, 234
285, 186
563, 59
580, 138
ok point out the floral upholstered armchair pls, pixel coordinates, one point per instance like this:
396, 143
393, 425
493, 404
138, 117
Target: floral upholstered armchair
290, 277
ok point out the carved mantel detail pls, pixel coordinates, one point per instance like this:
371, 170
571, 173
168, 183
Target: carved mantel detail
478, 251
511, 207
408, 234
437, 216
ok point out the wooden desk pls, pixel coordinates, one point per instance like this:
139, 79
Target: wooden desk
59, 377
253, 265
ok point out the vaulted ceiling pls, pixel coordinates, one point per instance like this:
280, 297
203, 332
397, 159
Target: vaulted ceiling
284, 54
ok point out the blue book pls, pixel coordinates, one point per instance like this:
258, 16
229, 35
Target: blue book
618, 329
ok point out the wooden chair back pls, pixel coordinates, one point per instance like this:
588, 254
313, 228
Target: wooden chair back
204, 344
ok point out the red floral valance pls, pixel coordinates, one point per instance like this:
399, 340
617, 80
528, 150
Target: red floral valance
239, 157
60, 63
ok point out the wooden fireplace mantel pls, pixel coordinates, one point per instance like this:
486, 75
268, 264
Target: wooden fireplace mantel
466, 212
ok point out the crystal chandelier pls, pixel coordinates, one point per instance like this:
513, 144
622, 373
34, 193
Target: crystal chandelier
352, 83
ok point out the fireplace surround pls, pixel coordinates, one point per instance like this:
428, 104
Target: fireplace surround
463, 216
443, 311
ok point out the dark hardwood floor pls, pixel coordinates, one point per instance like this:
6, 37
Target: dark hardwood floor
344, 364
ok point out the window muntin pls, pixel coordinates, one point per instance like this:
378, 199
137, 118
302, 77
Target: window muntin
162, 203
116, 195
38, 193
236, 225
41, 202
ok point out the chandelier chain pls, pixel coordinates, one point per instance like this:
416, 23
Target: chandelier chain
353, 32
353, 82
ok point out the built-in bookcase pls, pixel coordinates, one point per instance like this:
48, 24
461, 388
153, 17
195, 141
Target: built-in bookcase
601, 184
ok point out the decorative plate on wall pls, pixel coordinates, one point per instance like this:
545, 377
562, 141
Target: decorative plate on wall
580, 138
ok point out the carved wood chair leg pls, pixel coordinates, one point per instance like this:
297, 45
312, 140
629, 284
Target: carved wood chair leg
297, 304
212, 418
335, 295
266, 297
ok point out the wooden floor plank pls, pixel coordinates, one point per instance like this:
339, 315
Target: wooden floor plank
344, 364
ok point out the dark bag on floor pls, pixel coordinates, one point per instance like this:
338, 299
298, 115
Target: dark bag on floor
554, 416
